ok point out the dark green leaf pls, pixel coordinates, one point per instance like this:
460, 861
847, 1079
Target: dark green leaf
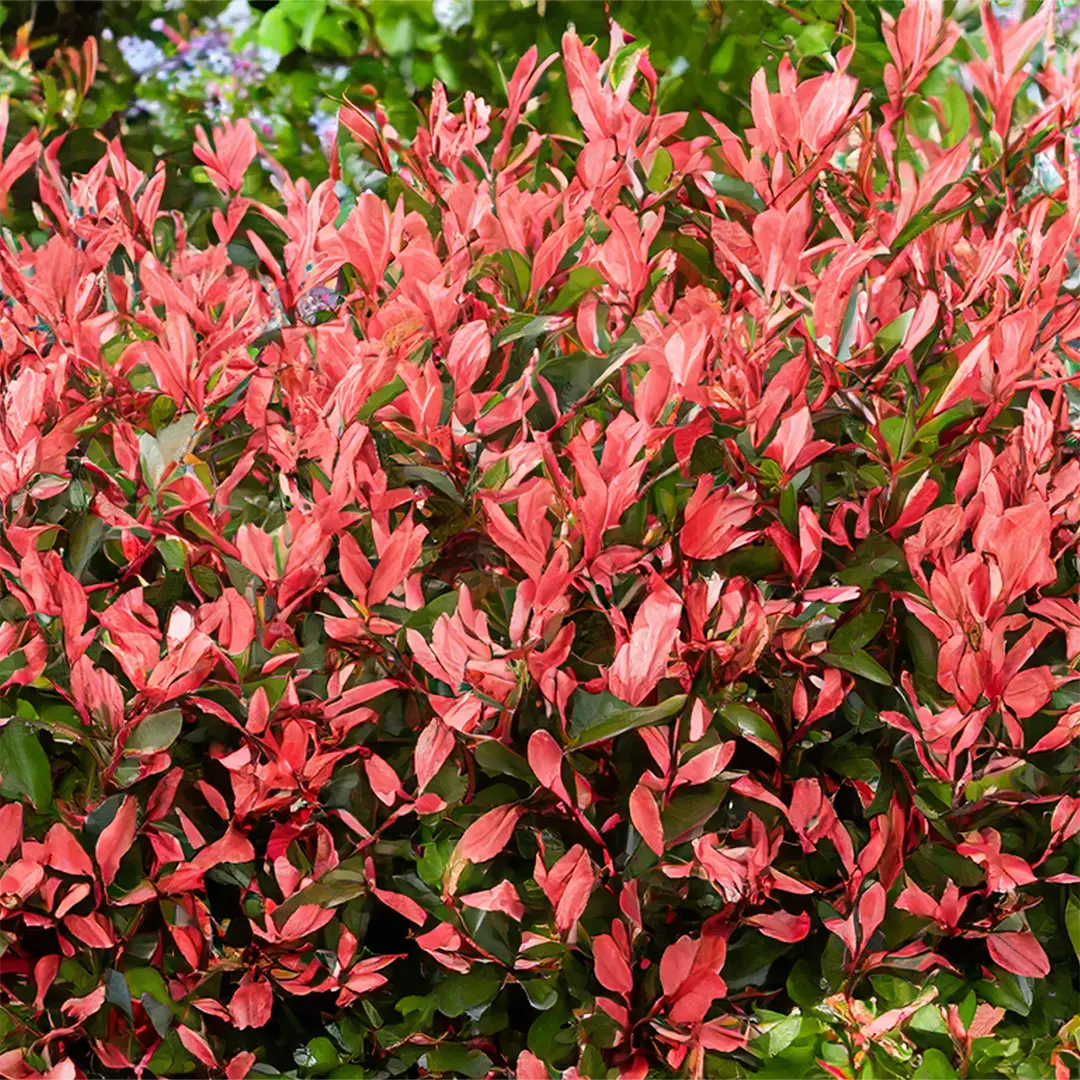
598, 717
156, 732
24, 768
468, 993
861, 663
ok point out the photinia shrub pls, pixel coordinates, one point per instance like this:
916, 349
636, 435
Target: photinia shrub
600, 607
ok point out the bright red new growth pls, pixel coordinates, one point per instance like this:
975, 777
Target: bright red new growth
633, 577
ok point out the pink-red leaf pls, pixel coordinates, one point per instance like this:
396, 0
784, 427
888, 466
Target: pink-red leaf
488, 834
1020, 953
116, 839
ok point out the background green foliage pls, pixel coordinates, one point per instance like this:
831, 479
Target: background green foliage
705, 51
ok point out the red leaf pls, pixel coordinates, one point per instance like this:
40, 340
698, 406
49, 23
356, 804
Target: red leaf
782, 925
64, 853
252, 1004
403, 905
713, 524
488, 834
197, 1045
80, 1009
383, 780
234, 149
44, 973
545, 760
239, 1067
530, 1067
646, 818
503, 897
610, 965
1019, 953
396, 559
677, 962
433, 747
701, 768
568, 886
91, 930
11, 830
116, 839
212, 1008
233, 847
871, 912
722, 1034
641, 662
305, 920
1063, 733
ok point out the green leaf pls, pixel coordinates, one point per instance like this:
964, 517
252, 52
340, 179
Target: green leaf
968, 1008
16, 661
889, 336
661, 170
1072, 923
872, 559
957, 113
598, 717
172, 552
1008, 991
523, 327
424, 619
156, 732
927, 218
383, 396
319, 1056
496, 759
153, 464
592, 1062
689, 810
343, 883
894, 991
24, 768
469, 993
146, 981
435, 478
455, 1059
747, 723
934, 1066
496, 476
518, 271
170, 1057
861, 663
162, 412
857, 632
553, 1036
732, 187
312, 14
783, 1034
1006, 780
541, 993
117, 992
161, 1016
802, 984
815, 39
277, 32
578, 283
929, 1018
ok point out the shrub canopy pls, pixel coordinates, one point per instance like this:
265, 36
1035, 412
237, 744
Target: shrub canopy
602, 606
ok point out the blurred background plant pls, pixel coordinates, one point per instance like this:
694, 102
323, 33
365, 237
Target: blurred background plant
152, 70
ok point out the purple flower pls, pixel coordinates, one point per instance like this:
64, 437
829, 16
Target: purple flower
325, 126
141, 54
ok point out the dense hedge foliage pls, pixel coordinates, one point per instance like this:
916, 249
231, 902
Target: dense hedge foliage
598, 605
